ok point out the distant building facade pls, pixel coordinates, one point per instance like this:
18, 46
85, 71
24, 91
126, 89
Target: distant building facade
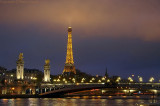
2, 72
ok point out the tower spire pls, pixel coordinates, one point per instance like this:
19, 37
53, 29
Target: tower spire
69, 64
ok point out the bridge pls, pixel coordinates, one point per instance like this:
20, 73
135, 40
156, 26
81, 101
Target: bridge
71, 88
61, 89
141, 85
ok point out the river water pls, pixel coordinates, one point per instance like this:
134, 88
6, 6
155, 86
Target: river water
72, 102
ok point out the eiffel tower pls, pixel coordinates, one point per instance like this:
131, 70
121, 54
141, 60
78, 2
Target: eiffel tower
69, 64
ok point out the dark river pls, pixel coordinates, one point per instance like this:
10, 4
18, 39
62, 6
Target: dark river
83, 101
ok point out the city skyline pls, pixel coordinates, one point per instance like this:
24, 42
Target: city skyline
124, 40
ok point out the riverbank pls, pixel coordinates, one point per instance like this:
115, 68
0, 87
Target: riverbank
18, 96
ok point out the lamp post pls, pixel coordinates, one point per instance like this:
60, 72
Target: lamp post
140, 79
151, 79
118, 79
130, 79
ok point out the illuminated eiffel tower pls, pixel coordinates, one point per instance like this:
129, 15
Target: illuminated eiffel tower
69, 64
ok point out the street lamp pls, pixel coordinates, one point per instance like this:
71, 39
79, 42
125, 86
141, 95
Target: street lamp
140, 79
130, 79
64, 79
58, 80
93, 78
103, 78
118, 79
108, 80
73, 80
99, 80
151, 79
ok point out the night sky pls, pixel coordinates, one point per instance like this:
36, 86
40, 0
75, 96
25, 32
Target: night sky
121, 35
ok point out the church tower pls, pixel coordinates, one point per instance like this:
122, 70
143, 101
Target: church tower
47, 71
69, 64
20, 67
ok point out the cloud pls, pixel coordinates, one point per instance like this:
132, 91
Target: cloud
94, 18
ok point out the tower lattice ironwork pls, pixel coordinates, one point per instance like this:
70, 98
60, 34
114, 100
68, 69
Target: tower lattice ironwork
69, 64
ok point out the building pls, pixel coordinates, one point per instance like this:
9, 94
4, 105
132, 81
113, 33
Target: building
2, 73
69, 64
21, 81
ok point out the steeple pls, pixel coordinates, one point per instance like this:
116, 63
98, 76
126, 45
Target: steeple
69, 64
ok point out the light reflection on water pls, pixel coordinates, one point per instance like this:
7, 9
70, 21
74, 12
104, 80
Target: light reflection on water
71, 102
